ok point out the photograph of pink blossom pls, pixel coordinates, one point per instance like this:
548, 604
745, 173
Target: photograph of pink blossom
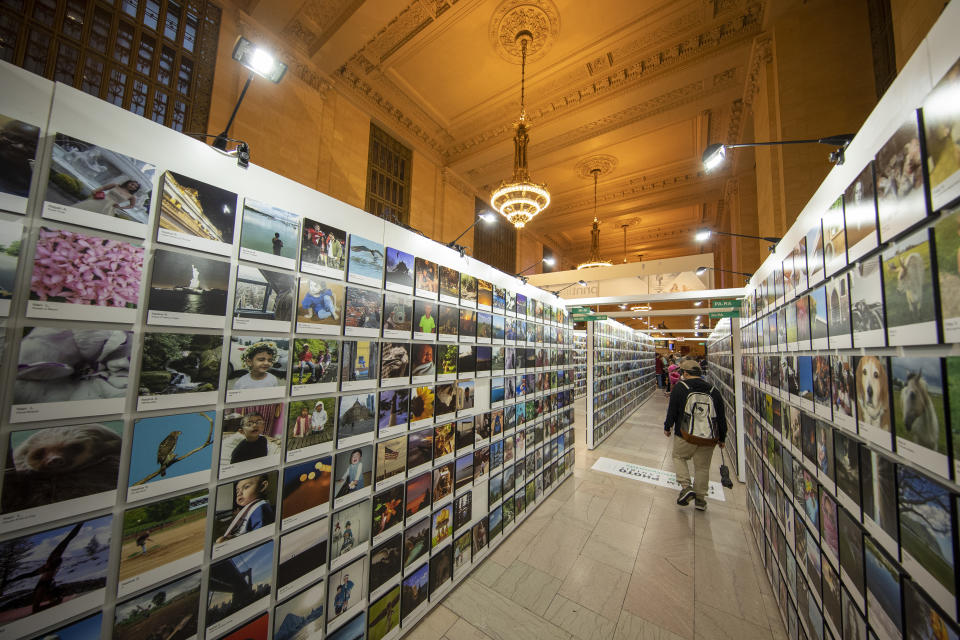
74, 268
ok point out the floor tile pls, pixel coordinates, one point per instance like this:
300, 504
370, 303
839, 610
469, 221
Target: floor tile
528, 587
580, 621
597, 586
630, 627
714, 624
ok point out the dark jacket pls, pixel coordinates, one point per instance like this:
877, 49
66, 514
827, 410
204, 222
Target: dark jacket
678, 400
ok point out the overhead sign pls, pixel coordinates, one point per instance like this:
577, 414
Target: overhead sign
580, 310
587, 317
732, 313
725, 304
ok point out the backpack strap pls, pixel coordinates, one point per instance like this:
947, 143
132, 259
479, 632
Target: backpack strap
685, 385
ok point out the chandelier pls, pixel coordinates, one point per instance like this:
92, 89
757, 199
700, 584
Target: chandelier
595, 260
520, 199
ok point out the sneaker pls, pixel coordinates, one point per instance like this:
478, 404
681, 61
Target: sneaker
700, 504
686, 494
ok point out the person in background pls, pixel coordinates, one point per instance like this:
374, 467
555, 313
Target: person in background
673, 374
659, 370
697, 428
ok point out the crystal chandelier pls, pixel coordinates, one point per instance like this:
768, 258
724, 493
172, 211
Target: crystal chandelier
595, 260
520, 199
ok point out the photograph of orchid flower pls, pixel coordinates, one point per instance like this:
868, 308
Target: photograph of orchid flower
59, 365
75, 268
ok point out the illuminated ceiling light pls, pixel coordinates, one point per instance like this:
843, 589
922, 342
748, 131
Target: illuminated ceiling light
519, 200
595, 260
698, 302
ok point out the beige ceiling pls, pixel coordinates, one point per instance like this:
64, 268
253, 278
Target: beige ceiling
637, 88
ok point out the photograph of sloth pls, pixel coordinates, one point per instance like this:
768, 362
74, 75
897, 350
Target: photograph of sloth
54, 464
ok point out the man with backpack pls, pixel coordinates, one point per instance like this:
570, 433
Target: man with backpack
697, 420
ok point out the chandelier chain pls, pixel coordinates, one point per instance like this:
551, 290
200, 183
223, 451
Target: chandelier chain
523, 77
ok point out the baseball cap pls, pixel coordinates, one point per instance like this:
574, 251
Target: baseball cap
691, 366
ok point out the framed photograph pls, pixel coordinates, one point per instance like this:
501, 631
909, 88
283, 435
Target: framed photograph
908, 291
251, 438
397, 316
442, 525
359, 360
349, 630
879, 496
481, 534
423, 359
399, 274
952, 364
421, 406
923, 618
262, 299
414, 591
385, 564
445, 399
874, 411
391, 460
75, 275
53, 378
362, 314
365, 262
11, 236
170, 453
468, 325
196, 215
302, 558
940, 116
449, 319
310, 424
466, 396
269, 235
815, 266
443, 441
357, 419
483, 358
464, 471
842, 391
393, 414
245, 512
316, 366
162, 539
860, 214
345, 594
354, 471
84, 629
484, 327
74, 467
449, 285
834, 238
883, 591
946, 233
80, 553
441, 570
322, 249
394, 363
838, 298
95, 187
448, 359
319, 305
418, 495
466, 361
867, 313
187, 290
484, 295
818, 317
257, 368
175, 606
351, 531
416, 542
927, 534
305, 493
427, 285
918, 412
901, 201
302, 615
468, 290
851, 554
424, 320
387, 514
443, 478
18, 151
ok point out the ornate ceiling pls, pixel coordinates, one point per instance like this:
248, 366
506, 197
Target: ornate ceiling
636, 88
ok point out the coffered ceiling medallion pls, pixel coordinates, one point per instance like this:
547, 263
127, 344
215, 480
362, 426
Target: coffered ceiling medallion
540, 17
603, 163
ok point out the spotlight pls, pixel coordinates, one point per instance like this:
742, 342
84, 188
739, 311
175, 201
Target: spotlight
258, 60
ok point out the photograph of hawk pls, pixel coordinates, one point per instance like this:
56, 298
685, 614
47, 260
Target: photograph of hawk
166, 452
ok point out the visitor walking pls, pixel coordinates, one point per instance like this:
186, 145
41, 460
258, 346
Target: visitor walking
698, 423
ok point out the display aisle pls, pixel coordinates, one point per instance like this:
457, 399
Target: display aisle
234, 404
849, 375
620, 376
579, 364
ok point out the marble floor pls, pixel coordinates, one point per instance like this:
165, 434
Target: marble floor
610, 557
